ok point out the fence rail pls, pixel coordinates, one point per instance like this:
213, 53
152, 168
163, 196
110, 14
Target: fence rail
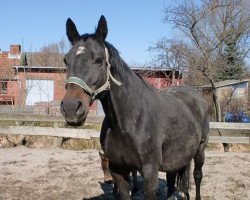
87, 133
49, 131
42, 118
229, 126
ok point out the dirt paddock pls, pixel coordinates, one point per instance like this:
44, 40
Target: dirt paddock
57, 174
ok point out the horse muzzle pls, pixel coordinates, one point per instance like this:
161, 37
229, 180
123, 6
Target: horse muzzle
74, 111
75, 105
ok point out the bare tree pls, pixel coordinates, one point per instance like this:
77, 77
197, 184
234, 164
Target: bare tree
205, 28
51, 55
170, 54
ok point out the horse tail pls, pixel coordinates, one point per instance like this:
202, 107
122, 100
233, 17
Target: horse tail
183, 179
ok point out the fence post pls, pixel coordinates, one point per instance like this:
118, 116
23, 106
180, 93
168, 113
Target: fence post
21, 138
57, 140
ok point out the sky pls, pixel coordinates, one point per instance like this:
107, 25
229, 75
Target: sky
133, 25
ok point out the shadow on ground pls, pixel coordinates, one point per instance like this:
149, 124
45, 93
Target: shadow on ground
108, 195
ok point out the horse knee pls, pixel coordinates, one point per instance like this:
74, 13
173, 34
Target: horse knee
198, 174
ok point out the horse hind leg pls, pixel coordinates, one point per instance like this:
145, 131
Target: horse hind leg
171, 177
198, 163
183, 180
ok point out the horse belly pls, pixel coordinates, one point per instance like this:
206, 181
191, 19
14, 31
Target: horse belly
176, 156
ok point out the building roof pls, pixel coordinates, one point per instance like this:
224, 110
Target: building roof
44, 59
38, 67
224, 83
152, 69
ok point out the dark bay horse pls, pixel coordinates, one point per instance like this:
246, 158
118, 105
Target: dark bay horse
146, 130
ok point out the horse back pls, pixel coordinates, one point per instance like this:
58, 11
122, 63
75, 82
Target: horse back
193, 101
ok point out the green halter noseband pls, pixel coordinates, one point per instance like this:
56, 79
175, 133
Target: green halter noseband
105, 86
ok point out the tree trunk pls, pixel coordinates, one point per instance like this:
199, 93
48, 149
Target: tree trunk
216, 105
218, 112
57, 140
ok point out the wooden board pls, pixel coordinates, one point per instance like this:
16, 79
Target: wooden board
231, 126
49, 131
42, 118
232, 140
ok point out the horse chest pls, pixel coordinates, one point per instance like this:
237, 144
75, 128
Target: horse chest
121, 150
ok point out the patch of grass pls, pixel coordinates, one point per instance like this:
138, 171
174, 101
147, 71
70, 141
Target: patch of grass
79, 144
94, 126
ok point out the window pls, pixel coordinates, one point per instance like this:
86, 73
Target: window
39, 91
3, 87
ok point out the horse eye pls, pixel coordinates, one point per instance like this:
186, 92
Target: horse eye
99, 61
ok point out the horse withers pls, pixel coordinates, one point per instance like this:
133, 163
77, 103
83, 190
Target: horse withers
146, 130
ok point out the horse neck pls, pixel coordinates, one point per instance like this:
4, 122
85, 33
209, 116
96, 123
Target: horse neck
124, 100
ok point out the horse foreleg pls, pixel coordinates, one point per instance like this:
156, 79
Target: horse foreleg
150, 176
121, 180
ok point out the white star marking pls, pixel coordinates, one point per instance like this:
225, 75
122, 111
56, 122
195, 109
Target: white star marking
80, 50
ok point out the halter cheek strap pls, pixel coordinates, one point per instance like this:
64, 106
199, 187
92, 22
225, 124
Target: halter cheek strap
105, 86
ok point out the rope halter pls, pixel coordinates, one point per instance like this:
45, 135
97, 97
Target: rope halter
86, 88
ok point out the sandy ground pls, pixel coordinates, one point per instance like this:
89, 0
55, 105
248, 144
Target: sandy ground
59, 174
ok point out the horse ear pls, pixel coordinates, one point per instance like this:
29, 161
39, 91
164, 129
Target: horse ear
102, 29
72, 32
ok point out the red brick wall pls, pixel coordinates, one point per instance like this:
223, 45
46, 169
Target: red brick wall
163, 82
58, 77
7, 73
47, 108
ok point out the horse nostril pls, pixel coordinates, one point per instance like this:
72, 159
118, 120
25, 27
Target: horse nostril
73, 109
80, 109
62, 108
79, 105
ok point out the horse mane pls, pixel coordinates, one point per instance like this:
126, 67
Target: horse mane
121, 66
116, 61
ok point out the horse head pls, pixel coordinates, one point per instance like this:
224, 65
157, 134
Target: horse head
88, 71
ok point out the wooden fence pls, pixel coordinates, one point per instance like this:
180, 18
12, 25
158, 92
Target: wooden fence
89, 133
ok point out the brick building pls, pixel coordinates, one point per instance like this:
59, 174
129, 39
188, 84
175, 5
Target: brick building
8, 81
160, 78
24, 83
